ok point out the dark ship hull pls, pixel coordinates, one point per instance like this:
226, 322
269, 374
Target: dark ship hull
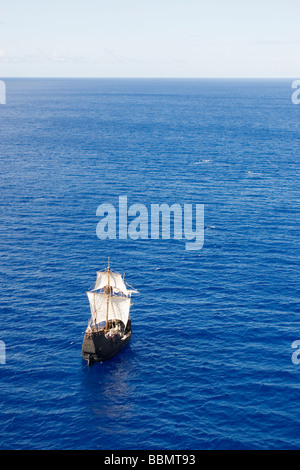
99, 346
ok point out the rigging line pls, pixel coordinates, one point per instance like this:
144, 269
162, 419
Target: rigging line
130, 286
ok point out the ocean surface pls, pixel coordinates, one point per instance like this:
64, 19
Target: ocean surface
210, 364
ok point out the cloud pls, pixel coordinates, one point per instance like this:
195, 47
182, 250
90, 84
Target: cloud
41, 56
275, 42
119, 57
57, 58
6, 58
13, 59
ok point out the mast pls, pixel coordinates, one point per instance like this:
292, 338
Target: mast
107, 297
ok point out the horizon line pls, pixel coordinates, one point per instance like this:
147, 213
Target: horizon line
148, 78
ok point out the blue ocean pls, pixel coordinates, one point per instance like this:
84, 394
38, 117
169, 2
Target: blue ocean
209, 365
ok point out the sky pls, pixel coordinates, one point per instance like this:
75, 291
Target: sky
150, 38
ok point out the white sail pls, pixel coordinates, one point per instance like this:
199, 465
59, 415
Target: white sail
118, 307
132, 291
115, 281
91, 297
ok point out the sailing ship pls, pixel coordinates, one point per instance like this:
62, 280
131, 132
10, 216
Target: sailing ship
109, 328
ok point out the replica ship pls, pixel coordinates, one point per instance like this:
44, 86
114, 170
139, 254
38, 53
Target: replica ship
109, 328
